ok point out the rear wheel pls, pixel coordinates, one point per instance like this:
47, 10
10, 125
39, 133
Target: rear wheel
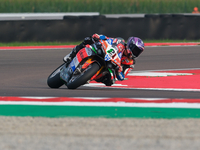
54, 80
83, 77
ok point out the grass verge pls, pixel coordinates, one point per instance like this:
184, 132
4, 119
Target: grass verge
102, 6
38, 43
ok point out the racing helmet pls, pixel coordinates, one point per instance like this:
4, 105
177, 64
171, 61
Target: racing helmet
135, 45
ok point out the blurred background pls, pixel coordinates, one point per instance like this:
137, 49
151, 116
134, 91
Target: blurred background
72, 20
101, 6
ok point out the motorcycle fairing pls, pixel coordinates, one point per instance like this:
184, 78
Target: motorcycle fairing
111, 52
82, 54
110, 41
67, 71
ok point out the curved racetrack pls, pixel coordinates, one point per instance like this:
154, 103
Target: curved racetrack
24, 73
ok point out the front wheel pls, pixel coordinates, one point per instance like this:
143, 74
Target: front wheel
83, 77
54, 80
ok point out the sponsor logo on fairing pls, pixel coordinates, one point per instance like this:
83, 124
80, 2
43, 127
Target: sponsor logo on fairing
110, 41
89, 51
107, 57
74, 63
120, 55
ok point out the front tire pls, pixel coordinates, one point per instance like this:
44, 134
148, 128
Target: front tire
54, 80
83, 77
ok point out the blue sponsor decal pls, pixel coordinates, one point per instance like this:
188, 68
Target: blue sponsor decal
110, 41
120, 55
72, 65
107, 57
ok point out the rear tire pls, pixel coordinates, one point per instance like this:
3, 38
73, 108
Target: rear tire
84, 77
54, 80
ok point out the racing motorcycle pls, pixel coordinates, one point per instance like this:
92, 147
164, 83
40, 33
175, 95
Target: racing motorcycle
91, 63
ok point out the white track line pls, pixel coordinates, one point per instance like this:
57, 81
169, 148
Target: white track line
107, 104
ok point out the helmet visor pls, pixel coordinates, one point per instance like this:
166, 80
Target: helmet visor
135, 50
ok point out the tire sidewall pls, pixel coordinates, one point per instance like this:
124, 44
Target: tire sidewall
55, 81
84, 77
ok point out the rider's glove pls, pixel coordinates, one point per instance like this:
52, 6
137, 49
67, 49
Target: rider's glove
120, 76
96, 37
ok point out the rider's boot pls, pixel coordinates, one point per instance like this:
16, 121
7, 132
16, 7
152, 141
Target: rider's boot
73, 53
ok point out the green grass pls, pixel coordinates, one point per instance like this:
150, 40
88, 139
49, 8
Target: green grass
102, 6
75, 43
37, 43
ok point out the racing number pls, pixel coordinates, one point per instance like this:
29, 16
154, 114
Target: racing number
111, 52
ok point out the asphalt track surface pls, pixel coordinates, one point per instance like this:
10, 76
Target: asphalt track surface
24, 72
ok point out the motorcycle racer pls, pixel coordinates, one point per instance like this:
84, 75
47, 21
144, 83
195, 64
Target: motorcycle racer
129, 51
